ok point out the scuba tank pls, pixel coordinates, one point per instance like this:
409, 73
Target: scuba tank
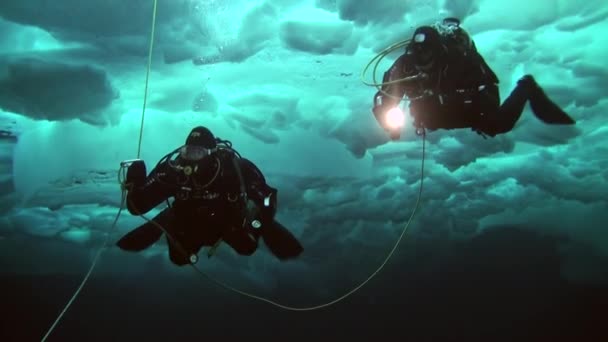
454, 36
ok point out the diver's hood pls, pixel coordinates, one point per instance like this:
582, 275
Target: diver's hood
201, 136
426, 48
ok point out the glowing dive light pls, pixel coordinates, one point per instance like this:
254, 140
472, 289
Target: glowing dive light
395, 118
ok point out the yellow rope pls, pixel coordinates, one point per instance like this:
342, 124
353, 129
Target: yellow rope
320, 306
143, 111
95, 260
377, 59
122, 169
122, 173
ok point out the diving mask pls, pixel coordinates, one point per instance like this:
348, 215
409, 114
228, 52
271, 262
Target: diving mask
194, 152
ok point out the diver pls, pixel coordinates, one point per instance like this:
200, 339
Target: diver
218, 196
450, 86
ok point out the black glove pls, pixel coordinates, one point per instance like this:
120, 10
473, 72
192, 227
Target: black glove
136, 174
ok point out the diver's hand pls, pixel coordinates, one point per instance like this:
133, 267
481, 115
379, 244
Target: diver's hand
136, 174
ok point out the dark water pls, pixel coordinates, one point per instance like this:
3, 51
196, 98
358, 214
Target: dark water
501, 286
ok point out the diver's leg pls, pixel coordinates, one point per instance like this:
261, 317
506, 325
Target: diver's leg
177, 253
495, 118
280, 241
147, 234
241, 241
542, 107
510, 111
181, 242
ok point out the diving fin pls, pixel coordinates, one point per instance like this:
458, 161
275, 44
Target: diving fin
145, 235
176, 253
543, 108
213, 248
281, 243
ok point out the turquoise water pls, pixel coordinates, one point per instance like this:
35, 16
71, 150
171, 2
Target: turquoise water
509, 238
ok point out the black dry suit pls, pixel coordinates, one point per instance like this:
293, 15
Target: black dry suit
221, 197
450, 85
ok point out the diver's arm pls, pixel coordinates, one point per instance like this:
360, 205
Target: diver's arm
489, 75
391, 94
145, 193
262, 194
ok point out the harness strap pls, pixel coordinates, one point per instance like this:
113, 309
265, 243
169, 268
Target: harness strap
243, 195
241, 179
